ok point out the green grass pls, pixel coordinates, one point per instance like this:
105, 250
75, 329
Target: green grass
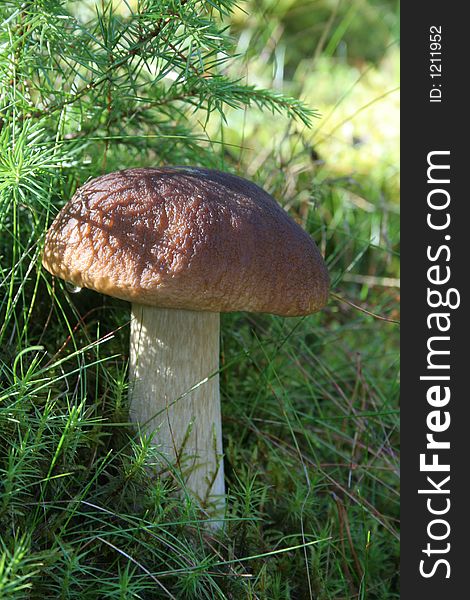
310, 405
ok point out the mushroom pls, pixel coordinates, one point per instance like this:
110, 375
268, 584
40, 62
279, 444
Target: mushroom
182, 245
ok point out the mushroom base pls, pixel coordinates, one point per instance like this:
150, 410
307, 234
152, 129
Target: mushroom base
174, 392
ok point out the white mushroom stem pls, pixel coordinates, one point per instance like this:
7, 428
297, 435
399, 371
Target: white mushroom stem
174, 361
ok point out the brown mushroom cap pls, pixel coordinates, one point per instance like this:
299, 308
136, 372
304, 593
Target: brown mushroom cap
186, 238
